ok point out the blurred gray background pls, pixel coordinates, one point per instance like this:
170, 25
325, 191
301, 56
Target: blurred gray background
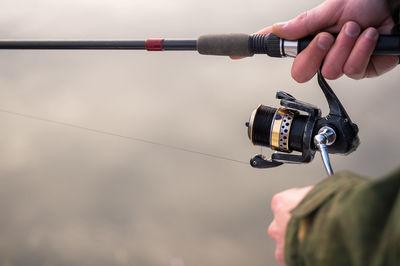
75, 197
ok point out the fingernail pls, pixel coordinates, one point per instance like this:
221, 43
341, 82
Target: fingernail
324, 42
352, 29
372, 34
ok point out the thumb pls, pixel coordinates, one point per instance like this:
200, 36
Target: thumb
309, 22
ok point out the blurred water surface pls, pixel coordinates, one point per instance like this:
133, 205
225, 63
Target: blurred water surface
74, 197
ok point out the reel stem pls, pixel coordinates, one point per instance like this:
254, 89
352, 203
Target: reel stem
326, 137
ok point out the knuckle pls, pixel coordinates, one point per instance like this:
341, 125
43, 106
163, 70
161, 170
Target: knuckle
275, 202
302, 16
272, 230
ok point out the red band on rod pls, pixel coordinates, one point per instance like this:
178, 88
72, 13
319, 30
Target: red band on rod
154, 44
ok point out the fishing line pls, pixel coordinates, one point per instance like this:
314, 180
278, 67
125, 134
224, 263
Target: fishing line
113, 134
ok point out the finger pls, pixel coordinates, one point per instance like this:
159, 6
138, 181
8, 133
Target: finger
273, 231
279, 255
307, 63
263, 31
357, 63
340, 51
379, 65
310, 22
236, 57
276, 202
386, 26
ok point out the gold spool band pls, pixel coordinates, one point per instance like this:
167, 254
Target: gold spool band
276, 128
281, 129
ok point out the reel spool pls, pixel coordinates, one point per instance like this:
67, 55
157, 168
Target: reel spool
299, 127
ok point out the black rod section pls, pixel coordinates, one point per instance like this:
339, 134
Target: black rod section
171, 45
72, 44
180, 45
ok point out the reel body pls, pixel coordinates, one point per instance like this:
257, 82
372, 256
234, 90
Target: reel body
299, 127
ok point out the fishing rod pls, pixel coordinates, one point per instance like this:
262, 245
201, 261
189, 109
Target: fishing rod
235, 44
295, 131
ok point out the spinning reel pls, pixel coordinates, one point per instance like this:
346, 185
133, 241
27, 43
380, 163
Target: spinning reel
295, 127
299, 127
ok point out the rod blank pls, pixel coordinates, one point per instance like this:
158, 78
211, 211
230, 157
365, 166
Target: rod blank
218, 44
73, 44
171, 45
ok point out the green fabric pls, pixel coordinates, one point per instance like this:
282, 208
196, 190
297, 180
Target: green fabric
349, 220
394, 6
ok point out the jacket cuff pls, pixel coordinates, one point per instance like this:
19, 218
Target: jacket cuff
303, 214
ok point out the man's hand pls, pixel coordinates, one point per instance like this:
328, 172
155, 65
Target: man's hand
358, 22
281, 205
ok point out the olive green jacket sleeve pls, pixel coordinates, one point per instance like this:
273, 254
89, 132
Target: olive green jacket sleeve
347, 220
394, 6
